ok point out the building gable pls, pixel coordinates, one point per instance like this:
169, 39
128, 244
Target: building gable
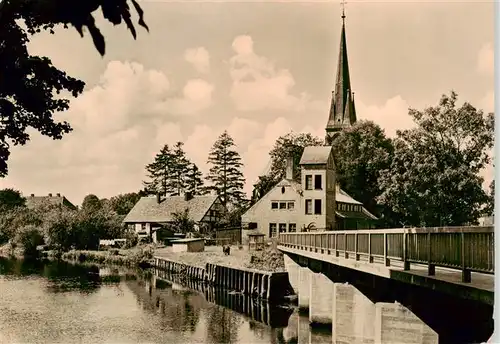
284, 191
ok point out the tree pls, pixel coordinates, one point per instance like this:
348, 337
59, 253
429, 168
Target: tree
434, 177
29, 84
179, 168
194, 181
10, 198
91, 203
122, 204
225, 174
361, 152
182, 222
289, 145
262, 187
159, 173
490, 205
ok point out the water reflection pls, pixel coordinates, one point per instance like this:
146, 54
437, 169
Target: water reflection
58, 302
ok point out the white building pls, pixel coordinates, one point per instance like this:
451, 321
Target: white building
317, 203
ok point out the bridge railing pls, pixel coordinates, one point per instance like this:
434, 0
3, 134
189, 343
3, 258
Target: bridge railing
463, 248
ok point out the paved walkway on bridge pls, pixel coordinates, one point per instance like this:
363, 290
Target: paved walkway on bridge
481, 287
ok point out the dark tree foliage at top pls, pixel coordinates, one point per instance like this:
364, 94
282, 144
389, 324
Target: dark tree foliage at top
29, 84
10, 199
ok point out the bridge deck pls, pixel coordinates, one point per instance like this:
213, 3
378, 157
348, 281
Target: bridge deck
480, 288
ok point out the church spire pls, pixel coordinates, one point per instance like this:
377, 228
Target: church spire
342, 110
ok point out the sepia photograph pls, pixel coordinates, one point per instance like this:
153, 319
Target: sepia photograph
247, 171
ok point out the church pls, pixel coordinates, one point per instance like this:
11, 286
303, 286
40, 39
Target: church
317, 202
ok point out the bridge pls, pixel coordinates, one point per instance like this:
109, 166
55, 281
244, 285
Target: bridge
435, 272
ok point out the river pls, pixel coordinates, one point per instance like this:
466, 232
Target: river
58, 302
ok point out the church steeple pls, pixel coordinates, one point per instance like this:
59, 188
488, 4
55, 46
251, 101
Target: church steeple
342, 109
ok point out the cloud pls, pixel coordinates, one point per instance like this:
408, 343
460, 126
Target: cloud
487, 103
199, 58
119, 125
128, 94
258, 84
391, 116
485, 58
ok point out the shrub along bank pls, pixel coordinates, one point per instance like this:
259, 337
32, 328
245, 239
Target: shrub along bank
60, 229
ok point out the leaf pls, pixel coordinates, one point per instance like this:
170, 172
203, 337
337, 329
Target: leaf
140, 12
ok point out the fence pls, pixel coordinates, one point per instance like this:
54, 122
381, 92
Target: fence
463, 248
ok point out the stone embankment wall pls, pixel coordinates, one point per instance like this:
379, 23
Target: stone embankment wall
265, 285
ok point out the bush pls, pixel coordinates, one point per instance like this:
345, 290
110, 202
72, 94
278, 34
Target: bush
132, 239
29, 237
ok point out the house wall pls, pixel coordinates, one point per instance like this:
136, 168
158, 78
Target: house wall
326, 219
145, 227
263, 215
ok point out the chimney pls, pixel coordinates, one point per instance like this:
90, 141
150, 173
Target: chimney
289, 168
188, 196
158, 198
32, 195
50, 195
58, 194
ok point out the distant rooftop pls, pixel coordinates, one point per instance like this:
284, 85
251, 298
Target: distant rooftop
33, 201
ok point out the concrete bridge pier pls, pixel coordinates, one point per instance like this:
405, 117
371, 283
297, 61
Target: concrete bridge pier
353, 315
293, 270
304, 288
320, 300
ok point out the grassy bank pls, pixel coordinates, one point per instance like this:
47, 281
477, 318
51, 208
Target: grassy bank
135, 257
268, 259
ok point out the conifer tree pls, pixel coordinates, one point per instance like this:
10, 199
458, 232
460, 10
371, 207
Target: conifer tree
179, 168
159, 173
225, 174
194, 181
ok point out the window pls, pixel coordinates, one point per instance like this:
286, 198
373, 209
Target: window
317, 207
252, 225
292, 227
309, 181
309, 206
272, 230
274, 205
143, 226
282, 205
282, 227
317, 182
291, 205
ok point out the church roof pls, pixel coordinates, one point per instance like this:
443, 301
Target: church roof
342, 109
315, 155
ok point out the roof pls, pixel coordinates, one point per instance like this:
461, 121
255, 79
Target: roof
342, 196
354, 215
342, 109
37, 201
314, 155
148, 210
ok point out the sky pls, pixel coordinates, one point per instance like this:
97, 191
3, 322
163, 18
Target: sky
256, 69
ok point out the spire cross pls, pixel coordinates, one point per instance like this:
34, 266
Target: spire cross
342, 5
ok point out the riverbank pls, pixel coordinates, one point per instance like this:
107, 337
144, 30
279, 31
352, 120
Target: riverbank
269, 259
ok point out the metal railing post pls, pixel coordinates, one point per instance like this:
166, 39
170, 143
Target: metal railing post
431, 269
466, 274
406, 263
